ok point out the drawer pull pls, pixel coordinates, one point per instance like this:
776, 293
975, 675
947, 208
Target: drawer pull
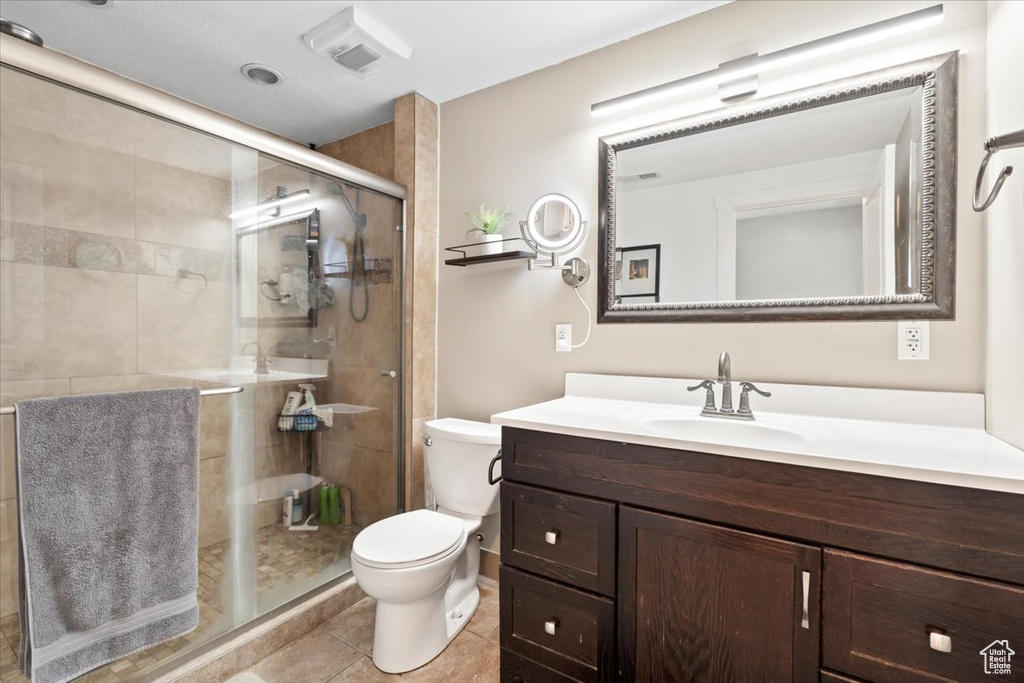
549, 627
551, 537
940, 641
805, 618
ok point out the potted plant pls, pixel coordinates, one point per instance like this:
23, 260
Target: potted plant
488, 222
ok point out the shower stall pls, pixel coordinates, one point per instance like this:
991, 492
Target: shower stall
148, 243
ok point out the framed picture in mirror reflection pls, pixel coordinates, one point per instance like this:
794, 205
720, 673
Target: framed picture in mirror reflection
638, 273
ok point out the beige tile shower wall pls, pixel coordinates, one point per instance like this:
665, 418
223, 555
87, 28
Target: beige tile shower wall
99, 209
416, 167
518, 140
372, 150
410, 158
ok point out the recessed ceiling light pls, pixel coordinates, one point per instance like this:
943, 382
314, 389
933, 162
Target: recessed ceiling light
262, 74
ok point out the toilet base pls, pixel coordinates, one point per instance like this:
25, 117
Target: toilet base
418, 631
409, 634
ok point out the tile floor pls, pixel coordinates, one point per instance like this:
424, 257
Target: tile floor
339, 651
288, 561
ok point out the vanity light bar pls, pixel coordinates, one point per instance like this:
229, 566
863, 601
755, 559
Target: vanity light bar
732, 71
252, 211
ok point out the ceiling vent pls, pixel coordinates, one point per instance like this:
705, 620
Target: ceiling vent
639, 177
355, 40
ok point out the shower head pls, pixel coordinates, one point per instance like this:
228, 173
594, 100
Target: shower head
358, 218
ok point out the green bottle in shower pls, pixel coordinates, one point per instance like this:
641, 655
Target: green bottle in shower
335, 506
325, 512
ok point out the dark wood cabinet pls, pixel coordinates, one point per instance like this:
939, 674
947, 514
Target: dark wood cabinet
704, 603
652, 564
569, 538
564, 629
881, 618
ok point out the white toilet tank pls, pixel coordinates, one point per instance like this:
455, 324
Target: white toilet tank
457, 454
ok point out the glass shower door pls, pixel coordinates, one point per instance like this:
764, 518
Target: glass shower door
325, 311
139, 254
116, 274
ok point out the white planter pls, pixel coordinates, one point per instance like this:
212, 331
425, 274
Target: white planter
491, 244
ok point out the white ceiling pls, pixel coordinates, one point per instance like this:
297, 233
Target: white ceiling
195, 48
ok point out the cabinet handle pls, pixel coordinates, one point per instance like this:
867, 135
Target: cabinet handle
551, 537
805, 618
549, 627
940, 641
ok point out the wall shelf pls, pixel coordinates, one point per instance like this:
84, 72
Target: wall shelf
468, 258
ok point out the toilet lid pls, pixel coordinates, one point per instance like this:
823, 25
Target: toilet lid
409, 539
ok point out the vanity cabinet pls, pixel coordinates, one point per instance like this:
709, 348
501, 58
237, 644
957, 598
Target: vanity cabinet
623, 562
708, 602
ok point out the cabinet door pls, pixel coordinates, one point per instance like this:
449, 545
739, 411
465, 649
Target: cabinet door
699, 602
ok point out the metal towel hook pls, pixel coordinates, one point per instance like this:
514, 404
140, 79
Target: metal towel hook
993, 145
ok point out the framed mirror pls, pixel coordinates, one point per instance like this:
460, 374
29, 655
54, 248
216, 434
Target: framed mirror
836, 202
278, 268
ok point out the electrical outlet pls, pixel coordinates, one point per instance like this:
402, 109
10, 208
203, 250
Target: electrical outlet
563, 337
912, 340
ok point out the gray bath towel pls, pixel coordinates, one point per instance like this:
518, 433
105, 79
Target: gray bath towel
108, 489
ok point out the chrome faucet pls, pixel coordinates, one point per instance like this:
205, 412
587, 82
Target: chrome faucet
261, 359
725, 379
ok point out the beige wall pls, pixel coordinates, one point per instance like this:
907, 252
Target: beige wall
1004, 223
532, 135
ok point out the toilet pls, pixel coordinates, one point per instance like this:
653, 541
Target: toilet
422, 566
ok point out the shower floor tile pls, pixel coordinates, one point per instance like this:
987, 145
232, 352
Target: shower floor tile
287, 561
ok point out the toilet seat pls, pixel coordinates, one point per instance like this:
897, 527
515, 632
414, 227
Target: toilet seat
408, 540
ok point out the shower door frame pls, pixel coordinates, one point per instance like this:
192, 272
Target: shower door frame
75, 74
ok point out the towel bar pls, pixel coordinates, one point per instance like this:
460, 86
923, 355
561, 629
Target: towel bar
10, 410
993, 145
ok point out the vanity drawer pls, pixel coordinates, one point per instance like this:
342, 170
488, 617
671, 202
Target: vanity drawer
879, 618
566, 537
564, 629
516, 669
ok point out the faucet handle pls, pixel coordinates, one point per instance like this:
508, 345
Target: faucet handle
709, 397
747, 386
744, 409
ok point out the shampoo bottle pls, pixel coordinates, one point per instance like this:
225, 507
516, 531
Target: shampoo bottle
298, 516
286, 512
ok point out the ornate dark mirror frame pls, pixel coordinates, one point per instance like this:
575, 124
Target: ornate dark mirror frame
936, 300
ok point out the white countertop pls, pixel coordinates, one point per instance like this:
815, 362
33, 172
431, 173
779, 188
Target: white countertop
935, 437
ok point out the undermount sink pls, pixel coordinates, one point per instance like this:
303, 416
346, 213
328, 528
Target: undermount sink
719, 430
